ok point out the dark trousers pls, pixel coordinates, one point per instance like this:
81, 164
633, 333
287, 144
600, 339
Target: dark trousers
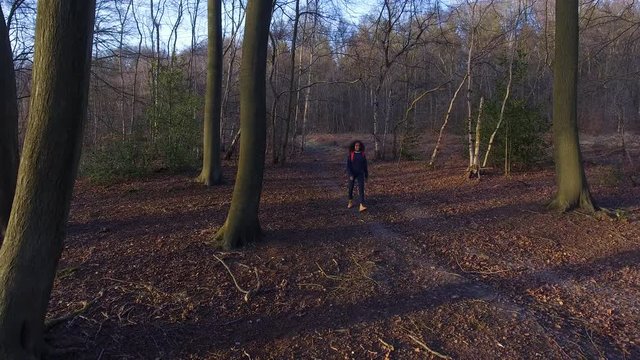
352, 182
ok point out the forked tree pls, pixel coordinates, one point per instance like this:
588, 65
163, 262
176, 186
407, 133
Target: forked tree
242, 225
573, 190
8, 127
211, 163
34, 239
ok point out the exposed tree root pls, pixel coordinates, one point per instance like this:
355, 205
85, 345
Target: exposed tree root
227, 239
203, 179
584, 203
52, 323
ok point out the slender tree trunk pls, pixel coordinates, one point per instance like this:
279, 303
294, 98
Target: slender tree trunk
227, 92
623, 144
242, 225
386, 125
8, 128
573, 190
122, 22
305, 112
292, 72
274, 105
475, 166
469, 90
174, 34
135, 74
34, 239
376, 112
232, 146
211, 163
446, 121
296, 112
502, 108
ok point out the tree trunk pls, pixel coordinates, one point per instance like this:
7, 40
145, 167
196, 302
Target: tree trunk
292, 71
242, 225
376, 111
386, 125
502, 108
211, 163
305, 112
34, 239
474, 170
135, 74
8, 128
469, 90
232, 146
276, 97
573, 190
445, 122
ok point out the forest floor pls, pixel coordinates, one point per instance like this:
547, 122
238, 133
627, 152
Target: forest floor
438, 267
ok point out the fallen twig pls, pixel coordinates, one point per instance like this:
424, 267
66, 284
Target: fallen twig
386, 345
247, 293
479, 272
424, 346
50, 324
363, 271
333, 277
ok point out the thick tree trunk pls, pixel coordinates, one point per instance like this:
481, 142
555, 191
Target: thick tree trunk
8, 128
211, 163
242, 225
573, 191
34, 239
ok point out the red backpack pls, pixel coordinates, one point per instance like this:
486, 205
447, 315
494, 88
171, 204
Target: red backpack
353, 154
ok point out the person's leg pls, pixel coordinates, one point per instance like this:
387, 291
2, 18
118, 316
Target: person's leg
361, 187
350, 187
361, 191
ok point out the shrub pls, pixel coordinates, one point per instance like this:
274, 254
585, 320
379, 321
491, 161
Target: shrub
114, 161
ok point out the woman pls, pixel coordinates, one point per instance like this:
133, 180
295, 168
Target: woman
357, 170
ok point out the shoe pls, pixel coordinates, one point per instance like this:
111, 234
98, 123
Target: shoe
350, 204
362, 208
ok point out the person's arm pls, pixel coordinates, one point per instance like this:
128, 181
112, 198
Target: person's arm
366, 169
349, 166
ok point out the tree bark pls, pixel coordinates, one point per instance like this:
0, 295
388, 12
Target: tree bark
242, 225
34, 238
211, 163
8, 128
572, 188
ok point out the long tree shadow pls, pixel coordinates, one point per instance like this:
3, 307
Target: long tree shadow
209, 335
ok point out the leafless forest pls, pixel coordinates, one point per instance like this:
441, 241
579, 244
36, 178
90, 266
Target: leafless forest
501, 215
390, 69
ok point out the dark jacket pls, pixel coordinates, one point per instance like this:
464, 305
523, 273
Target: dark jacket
357, 161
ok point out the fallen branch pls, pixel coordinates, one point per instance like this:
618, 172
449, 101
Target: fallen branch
424, 346
50, 324
386, 345
247, 293
333, 277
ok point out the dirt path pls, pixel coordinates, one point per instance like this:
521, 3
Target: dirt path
468, 270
